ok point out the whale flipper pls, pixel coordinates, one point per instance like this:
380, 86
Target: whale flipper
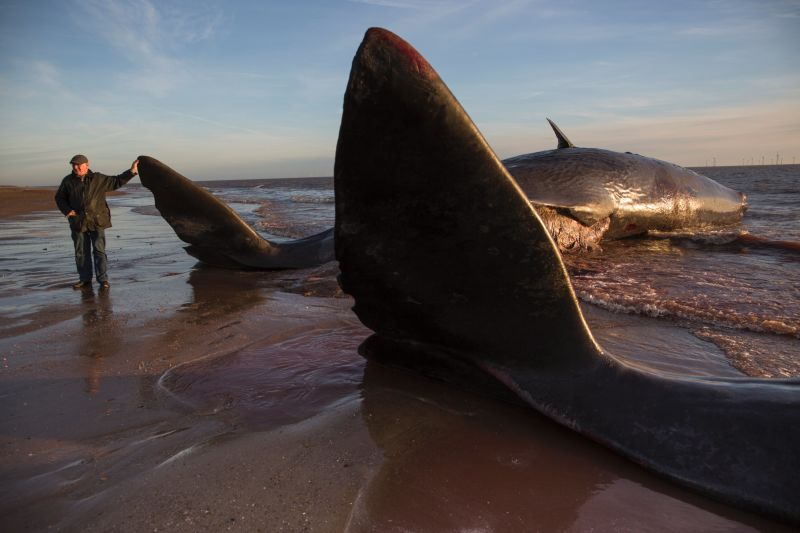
455, 273
216, 234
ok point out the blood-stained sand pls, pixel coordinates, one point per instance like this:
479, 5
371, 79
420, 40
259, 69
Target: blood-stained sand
196, 399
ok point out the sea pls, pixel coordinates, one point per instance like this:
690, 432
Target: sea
736, 291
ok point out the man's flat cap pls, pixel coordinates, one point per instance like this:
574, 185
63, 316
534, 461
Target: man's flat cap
78, 160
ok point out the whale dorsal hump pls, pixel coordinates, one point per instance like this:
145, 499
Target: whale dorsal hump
563, 142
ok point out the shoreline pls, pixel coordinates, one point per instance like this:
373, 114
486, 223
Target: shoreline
19, 201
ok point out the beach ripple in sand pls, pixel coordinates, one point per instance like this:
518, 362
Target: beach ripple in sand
270, 385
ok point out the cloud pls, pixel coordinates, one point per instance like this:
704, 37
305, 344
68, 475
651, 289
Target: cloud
211, 122
130, 26
726, 29
45, 73
151, 37
740, 19
728, 133
422, 5
33, 81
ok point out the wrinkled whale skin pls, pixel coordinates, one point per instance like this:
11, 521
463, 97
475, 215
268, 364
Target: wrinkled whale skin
452, 268
216, 234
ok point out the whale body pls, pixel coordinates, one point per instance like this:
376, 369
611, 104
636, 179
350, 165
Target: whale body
453, 269
613, 195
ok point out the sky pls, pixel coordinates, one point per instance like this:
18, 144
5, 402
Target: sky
254, 88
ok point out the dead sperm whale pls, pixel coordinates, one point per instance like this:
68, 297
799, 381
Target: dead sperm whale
612, 195
454, 271
582, 195
216, 234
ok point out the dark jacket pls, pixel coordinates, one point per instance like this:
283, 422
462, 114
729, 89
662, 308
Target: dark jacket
87, 198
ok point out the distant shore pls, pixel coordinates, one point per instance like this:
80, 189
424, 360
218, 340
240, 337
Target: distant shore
16, 201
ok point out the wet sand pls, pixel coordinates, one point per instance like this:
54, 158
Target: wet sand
197, 399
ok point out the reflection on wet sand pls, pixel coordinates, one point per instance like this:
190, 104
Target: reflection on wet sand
100, 336
270, 385
451, 460
459, 462
217, 291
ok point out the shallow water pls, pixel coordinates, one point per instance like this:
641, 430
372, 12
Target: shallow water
742, 297
276, 384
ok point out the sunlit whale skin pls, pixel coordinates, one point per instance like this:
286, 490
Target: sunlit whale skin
625, 193
451, 267
216, 234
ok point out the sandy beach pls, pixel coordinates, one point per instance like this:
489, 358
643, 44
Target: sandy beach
15, 201
196, 399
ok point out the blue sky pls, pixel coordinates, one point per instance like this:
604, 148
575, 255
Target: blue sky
253, 89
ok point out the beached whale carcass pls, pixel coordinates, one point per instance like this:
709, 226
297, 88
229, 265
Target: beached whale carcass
587, 194
454, 271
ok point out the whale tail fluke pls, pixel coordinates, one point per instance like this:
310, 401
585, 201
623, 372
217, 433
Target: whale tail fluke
212, 229
216, 234
435, 240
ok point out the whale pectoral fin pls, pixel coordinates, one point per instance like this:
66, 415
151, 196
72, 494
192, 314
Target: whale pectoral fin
435, 240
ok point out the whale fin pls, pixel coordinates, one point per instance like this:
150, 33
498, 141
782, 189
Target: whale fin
423, 204
216, 234
455, 273
563, 142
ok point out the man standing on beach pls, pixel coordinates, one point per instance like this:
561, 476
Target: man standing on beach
82, 199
